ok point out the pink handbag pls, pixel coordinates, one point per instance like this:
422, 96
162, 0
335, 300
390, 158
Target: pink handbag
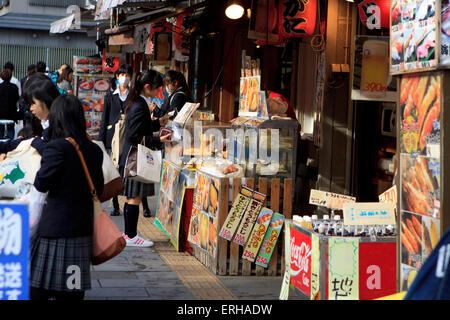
107, 239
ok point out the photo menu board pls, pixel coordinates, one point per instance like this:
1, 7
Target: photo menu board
420, 104
414, 35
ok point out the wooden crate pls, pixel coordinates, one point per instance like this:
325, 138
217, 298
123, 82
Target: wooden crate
229, 255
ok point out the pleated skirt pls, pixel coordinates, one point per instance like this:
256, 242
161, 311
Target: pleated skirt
61, 264
135, 189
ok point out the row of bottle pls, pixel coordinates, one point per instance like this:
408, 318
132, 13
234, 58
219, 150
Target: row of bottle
336, 227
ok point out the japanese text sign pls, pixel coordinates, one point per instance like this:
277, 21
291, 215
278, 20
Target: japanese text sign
257, 235
249, 219
270, 240
14, 240
297, 18
329, 199
343, 272
315, 267
369, 213
389, 195
300, 248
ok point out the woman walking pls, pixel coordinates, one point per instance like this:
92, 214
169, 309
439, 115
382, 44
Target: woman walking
138, 127
64, 235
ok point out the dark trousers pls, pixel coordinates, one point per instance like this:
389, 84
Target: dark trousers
10, 130
42, 294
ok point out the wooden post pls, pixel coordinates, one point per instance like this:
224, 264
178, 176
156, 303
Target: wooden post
287, 212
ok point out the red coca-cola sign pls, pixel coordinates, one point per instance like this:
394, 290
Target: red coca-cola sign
301, 261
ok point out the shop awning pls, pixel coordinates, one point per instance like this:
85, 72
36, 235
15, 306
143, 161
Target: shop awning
62, 25
103, 8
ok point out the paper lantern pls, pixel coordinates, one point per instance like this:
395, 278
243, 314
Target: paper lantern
181, 42
297, 18
374, 14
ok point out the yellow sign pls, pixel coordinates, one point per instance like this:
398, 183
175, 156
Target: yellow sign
329, 199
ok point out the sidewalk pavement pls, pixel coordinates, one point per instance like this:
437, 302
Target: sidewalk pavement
162, 273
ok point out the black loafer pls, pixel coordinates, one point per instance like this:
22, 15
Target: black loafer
115, 212
147, 213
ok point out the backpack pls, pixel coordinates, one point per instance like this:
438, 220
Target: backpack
433, 280
118, 140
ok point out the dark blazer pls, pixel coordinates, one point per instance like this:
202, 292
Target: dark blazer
68, 211
138, 124
10, 145
175, 102
112, 109
9, 95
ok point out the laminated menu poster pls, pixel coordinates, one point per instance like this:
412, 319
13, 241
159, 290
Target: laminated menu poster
270, 240
249, 100
204, 219
168, 210
414, 36
249, 219
257, 236
237, 211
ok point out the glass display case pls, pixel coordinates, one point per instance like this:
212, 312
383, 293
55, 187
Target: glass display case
266, 148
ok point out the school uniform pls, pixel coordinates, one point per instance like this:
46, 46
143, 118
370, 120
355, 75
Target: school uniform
114, 106
138, 124
174, 102
64, 234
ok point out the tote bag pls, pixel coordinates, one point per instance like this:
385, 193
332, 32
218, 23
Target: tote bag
114, 185
107, 241
19, 167
118, 140
143, 164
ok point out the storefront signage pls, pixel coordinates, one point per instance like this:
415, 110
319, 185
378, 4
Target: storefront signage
14, 246
270, 240
249, 219
297, 18
377, 269
389, 195
329, 199
414, 36
256, 238
369, 213
343, 268
301, 250
237, 211
374, 14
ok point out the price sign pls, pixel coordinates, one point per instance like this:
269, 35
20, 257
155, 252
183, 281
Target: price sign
389, 195
330, 200
369, 213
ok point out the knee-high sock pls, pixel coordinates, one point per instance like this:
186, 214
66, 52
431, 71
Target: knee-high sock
132, 220
145, 203
125, 206
115, 202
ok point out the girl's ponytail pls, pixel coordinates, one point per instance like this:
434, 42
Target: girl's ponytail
135, 90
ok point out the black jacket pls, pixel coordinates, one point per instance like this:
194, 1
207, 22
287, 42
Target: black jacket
113, 107
138, 124
68, 211
175, 102
9, 95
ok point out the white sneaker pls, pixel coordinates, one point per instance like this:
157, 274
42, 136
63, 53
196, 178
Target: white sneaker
138, 242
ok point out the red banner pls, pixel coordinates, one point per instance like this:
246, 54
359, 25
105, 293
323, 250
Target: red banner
297, 18
301, 261
377, 270
375, 14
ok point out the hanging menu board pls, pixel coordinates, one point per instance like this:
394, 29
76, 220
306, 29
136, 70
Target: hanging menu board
414, 40
420, 104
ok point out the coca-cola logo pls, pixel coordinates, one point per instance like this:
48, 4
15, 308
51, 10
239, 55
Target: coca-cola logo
299, 257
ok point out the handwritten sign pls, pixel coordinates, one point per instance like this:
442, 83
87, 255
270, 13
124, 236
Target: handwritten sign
329, 199
315, 267
249, 219
343, 270
270, 240
369, 213
237, 211
389, 195
14, 246
257, 236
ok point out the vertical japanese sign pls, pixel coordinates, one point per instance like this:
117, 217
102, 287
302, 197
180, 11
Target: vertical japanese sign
300, 248
315, 267
343, 269
14, 246
297, 18
284, 294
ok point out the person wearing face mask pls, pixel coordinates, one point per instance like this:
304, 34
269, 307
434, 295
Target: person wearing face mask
139, 126
178, 91
113, 108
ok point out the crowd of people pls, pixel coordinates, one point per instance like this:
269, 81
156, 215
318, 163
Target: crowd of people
50, 114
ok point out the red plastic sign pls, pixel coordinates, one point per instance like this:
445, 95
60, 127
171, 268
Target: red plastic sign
301, 261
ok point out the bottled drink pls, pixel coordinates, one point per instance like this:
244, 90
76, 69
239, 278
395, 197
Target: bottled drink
324, 225
307, 223
338, 226
315, 222
297, 220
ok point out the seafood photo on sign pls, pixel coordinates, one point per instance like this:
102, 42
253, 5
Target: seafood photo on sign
212, 238
396, 13
430, 234
419, 186
409, 11
409, 47
397, 51
420, 104
411, 238
426, 42
204, 228
194, 226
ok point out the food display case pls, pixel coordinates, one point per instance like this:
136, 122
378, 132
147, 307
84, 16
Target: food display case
256, 148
